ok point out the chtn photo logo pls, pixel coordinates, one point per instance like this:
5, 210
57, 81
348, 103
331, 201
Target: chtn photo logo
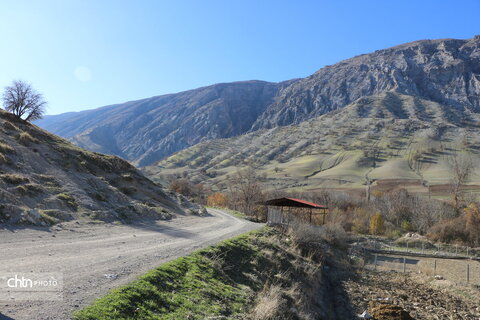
18, 286
22, 282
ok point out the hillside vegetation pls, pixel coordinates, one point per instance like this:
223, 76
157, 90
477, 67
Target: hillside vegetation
45, 179
389, 138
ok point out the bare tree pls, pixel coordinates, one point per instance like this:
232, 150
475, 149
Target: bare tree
461, 168
246, 190
23, 101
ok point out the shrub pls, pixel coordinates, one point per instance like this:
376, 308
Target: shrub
406, 225
376, 224
464, 229
217, 200
361, 221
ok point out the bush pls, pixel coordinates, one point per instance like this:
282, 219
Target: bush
217, 200
376, 224
361, 221
464, 229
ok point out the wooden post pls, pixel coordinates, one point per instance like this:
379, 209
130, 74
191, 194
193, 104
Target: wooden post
324, 214
423, 247
435, 268
311, 215
375, 262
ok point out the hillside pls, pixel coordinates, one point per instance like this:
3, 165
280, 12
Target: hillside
445, 71
147, 130
389, 136
45, 179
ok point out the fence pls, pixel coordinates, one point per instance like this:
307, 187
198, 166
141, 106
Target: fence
450, 270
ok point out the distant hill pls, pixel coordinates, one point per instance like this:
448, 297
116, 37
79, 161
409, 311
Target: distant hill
45, 179
445, 71
392, 138
147, 130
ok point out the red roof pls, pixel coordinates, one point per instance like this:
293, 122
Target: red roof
292, 202
308, 203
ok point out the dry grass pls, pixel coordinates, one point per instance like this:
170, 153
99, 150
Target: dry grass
10, 126
3, 159
271, 304
5, 148
25, 138
29, 189
330, 233
13, 178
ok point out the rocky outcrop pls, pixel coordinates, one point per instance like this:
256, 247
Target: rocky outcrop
444, 71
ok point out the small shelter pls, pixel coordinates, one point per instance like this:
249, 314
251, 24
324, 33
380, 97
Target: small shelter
285, 210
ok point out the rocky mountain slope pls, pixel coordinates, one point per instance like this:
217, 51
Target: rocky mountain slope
389, 137
45, 179
445, 71
147, 130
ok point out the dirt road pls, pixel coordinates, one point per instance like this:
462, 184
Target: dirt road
94, 258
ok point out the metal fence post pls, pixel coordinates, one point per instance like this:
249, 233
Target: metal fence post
435, 268
468, 273
404, 265
375, 262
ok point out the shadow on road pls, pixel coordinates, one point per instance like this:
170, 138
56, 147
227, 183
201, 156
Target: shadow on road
163, 227
3, 317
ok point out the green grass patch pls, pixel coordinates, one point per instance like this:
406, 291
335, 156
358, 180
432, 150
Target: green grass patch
219, 281
69, 200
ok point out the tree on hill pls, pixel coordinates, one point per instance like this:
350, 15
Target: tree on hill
23, 101
461, 169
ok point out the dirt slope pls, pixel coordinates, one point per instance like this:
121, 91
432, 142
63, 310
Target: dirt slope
44, 180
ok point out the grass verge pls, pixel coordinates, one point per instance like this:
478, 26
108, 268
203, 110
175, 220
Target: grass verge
220, 281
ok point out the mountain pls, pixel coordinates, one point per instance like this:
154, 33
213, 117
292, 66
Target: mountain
445, 71
147, 130
389, 137
45, 179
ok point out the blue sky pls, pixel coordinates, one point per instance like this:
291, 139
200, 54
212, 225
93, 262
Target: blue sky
85, 54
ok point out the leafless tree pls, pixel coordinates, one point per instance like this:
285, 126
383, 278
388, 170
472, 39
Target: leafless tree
23, 101
246, 190
461, 169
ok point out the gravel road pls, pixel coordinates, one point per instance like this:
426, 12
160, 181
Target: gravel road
95, 258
